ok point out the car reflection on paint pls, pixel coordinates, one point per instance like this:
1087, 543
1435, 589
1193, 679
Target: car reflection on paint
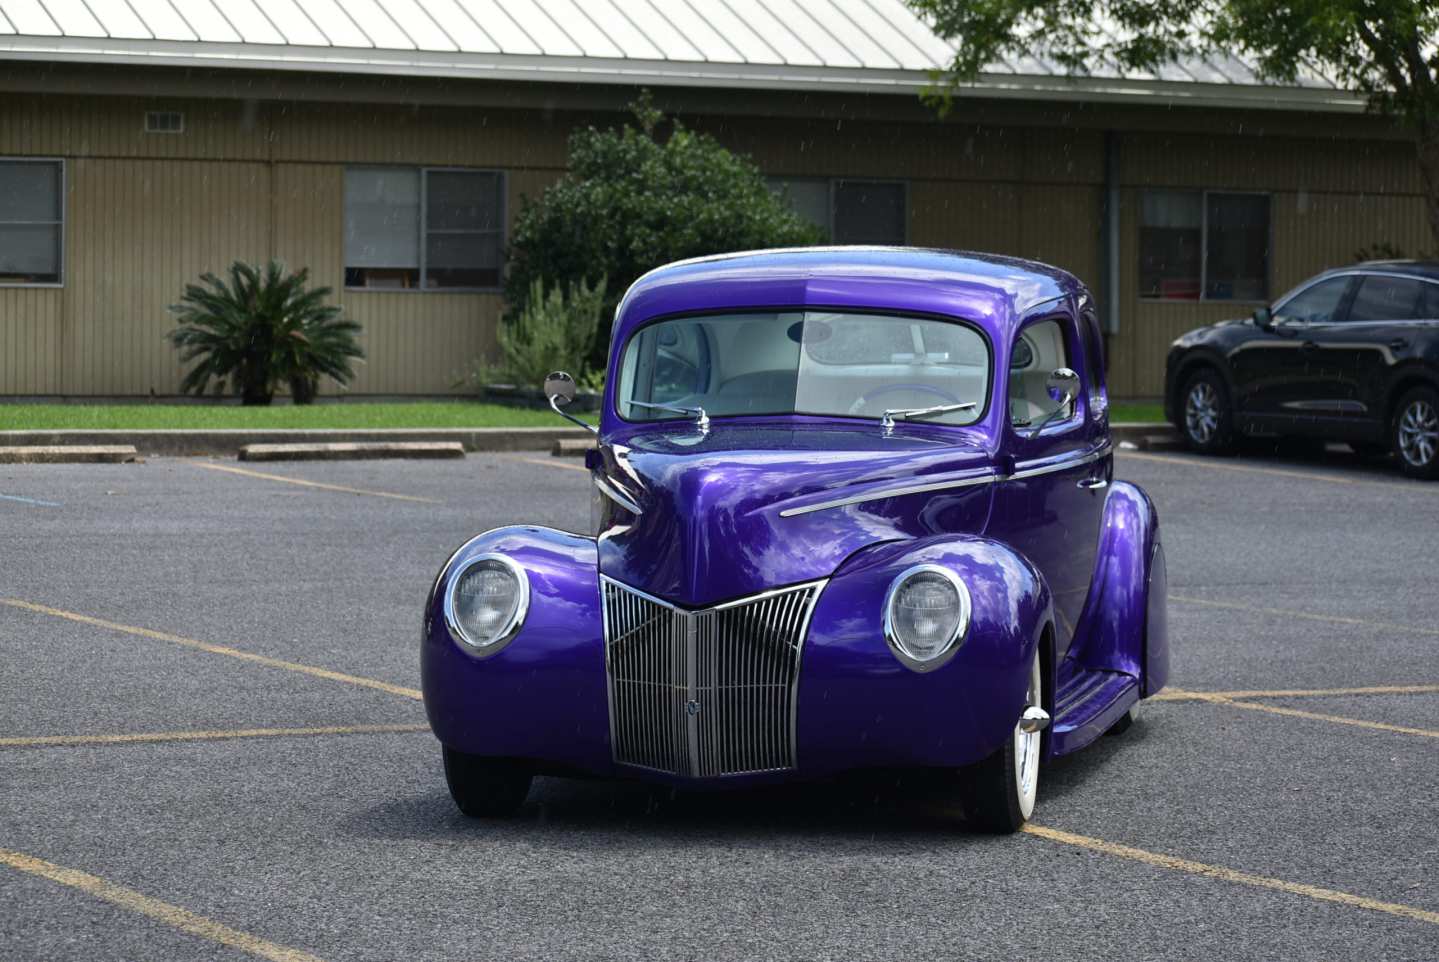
854, 510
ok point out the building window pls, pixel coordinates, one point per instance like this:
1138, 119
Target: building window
423, 228
32, 221
164, 122
1206, 245
849, 211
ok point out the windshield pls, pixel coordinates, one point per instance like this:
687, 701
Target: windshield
804, 362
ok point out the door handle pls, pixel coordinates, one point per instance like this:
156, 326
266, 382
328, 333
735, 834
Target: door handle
1092, 484
1398, 344
1309, 346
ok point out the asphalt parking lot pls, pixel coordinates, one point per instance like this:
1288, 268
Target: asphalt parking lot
211, 746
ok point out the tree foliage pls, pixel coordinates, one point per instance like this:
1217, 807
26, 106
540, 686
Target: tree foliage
260, 329
1387, 49
555, 331
634, 199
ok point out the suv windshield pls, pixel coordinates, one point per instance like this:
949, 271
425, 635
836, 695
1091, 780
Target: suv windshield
804, 362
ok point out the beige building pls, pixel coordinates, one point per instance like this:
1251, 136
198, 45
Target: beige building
387, 146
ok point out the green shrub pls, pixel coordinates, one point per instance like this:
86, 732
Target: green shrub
554, 331
632, 201
262, 330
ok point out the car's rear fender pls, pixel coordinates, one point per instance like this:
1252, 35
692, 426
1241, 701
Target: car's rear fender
1123, 625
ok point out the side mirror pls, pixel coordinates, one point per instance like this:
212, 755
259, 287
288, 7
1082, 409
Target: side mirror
1063, 385
559, 388
1263, 319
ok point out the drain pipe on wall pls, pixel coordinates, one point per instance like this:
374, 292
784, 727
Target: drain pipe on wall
1110, 235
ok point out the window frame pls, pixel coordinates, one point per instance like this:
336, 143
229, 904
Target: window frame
1355, 276
1204, 246
424, 171
831, 183
1078, 415
62, 223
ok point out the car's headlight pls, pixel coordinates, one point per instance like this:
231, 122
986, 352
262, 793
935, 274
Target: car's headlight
486, 601
926, 614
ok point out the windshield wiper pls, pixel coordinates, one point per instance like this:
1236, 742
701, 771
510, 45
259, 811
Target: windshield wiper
887, 422
702, 420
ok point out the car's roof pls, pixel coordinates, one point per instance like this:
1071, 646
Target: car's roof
1426, 269
992, 290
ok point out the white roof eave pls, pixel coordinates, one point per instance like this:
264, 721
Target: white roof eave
627, 71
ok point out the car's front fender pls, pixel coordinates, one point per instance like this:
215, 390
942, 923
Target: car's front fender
860, 707
542, 696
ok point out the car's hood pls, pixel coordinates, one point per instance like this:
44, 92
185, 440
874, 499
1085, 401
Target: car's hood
736, 512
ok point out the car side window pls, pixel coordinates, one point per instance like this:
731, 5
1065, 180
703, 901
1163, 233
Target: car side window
1038, 350
1383, 298
1318, 304
1429, 305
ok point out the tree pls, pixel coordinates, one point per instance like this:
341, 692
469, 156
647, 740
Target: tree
633, 200
260, 330
1383, 48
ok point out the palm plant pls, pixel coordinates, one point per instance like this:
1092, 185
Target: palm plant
260, 330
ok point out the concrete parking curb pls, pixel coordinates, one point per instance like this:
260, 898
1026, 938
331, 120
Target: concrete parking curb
67, 454
342, 451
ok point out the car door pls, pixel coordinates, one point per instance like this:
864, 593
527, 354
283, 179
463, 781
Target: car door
1051, 507
1277, 372
1363, 346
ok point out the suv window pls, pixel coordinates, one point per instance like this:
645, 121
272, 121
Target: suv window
1315, 305
1387, 299
1429, 302
1039, 350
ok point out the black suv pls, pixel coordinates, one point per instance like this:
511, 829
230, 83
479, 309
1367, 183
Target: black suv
1350, 355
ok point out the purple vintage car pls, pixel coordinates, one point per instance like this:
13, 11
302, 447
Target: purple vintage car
853, 509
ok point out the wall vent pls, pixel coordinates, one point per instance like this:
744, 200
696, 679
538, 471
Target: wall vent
164, 122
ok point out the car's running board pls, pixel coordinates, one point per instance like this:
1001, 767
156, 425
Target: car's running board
1088, 705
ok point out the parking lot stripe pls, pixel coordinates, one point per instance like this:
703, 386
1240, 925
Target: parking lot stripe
314, 484
172, 915
1230, 875
1184, 694
551, 462
42, 741
215, 649
35, 501
1319, 716
1309, 615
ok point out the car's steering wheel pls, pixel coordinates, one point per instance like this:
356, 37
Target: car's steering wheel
864, 399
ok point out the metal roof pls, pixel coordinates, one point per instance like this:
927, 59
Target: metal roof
838, 45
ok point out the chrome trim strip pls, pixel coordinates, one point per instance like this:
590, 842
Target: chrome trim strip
988, 477
612, 491
1351, 407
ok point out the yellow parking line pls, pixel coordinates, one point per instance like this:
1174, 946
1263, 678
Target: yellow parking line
313, 484
41, 741
215, 649
1230, 875
172, 915
1307, 615
551, 462
1226, 466
1319, 716
1182, 694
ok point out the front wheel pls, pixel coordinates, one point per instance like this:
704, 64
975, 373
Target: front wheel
1415, 433
999, 792
1208, 418
486, 787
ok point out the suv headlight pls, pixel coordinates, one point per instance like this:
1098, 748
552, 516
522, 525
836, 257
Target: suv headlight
926, 615
486, 602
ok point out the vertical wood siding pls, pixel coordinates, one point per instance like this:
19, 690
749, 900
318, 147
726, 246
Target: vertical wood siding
146, 213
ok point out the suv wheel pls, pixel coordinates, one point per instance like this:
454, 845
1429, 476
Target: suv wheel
1207, 420
1415, 433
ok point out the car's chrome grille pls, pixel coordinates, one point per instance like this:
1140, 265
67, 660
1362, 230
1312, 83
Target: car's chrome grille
709, 692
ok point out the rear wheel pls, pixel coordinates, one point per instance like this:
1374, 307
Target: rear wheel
999, 792
1208, 422
1415, 433
486, 787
